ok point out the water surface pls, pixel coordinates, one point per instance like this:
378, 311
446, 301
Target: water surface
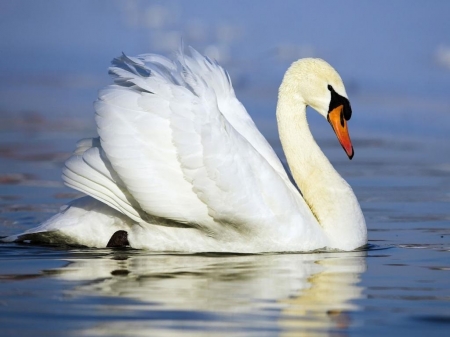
400, 284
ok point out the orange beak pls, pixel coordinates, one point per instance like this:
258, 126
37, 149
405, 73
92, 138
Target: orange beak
339, 125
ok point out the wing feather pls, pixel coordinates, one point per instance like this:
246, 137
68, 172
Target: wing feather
88, 171
176, 144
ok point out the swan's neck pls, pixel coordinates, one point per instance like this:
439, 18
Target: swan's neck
328, 195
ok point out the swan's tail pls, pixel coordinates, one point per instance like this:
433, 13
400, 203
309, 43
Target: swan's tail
83, 222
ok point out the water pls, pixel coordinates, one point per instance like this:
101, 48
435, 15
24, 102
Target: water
399, 284
55, 59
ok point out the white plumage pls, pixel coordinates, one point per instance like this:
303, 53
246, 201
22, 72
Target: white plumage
180, 166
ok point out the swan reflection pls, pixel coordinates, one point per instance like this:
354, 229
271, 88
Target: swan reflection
288, 295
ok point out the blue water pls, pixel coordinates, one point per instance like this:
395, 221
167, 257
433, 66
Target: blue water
391, 56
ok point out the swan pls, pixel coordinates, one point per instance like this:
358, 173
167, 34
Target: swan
179, 165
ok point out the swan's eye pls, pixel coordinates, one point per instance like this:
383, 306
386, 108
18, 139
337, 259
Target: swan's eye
330, 87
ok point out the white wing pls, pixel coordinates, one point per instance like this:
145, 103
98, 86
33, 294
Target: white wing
177, 146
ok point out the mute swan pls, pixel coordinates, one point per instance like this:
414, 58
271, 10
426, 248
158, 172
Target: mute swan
180, 166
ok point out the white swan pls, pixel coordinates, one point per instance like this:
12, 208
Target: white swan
180, 166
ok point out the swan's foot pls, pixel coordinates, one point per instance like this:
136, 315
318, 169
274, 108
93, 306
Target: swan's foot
118, 239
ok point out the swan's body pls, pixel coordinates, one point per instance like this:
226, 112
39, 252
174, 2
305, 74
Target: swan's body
180, 166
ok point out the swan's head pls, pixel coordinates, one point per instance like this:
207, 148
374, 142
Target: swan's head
319, 86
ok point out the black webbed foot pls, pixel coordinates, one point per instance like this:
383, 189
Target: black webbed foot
118, 239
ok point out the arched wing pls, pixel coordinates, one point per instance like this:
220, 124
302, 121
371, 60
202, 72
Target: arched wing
181, 147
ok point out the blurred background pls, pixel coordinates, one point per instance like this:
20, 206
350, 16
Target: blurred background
394, 56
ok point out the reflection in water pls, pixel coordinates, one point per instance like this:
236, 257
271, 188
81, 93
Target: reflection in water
288, 295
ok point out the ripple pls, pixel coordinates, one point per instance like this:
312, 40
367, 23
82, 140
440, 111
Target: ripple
440, 319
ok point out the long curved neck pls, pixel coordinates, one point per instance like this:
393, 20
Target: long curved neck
328, 195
